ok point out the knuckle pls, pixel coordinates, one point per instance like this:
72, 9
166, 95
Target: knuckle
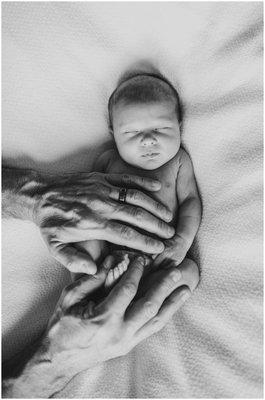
137, 213
154, 244
150, 309
168, 283
116, 339
129, 289
134, 195
95, 202
94, 175
126, 179
127, 232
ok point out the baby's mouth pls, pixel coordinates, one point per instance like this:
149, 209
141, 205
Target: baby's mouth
150, 155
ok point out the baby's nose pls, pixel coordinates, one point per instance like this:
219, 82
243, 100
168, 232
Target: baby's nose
148, 140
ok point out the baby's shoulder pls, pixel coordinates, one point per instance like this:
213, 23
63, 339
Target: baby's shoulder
182, 156
109, 154
178, 158
104, 160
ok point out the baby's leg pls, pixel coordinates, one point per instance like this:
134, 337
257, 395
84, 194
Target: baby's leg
121, 260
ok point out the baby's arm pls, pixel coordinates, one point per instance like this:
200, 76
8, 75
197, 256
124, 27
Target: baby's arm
190, 210
189, 213
102, 162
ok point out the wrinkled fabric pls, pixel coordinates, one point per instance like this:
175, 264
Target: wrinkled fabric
61, 61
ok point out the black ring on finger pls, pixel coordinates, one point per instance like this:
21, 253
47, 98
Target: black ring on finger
122, 195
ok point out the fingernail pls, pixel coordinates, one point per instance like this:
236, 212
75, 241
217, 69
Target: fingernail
169, 216
171, 231
185, 296
176, 275
90, 269
141, 260
156, 185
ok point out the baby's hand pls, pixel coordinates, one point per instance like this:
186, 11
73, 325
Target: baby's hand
175, 250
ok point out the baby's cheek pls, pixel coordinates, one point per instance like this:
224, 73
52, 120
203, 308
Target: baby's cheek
130, 154
173, 146
123, 151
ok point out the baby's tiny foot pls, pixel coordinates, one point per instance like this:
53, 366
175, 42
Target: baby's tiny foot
115, 273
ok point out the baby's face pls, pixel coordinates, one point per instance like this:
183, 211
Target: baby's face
146, 135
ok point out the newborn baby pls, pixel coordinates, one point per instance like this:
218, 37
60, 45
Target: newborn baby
144, 115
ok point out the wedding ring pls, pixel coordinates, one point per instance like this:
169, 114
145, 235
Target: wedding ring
122, 194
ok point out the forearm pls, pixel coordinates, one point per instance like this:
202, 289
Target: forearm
41, 375
189, 218
19, 187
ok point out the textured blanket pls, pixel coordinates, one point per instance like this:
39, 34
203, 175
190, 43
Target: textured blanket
61, 61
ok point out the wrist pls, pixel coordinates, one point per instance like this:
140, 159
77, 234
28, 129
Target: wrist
43, 375
20, 192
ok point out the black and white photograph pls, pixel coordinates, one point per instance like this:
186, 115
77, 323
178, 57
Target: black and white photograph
132, 199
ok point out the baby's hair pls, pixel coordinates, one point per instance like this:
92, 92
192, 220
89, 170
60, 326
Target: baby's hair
143, 88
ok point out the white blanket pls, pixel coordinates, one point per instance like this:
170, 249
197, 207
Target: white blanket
61, 62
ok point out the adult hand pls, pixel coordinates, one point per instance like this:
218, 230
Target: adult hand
85, 207
88, 328
95, 330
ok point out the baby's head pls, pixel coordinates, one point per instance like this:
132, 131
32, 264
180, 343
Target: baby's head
144, 113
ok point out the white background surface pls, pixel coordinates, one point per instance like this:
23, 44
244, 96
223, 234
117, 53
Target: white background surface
61, 62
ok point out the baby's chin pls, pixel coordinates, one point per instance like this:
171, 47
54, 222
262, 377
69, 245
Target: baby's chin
151, 163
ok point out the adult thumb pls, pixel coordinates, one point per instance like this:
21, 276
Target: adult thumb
75, 260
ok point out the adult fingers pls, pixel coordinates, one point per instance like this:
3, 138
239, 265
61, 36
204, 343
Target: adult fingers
108, 263
142, 219
73, 259
109, 230
190, 273
170, 306
189, 270
152, 185
124, 291
87, 284
124, 235
137, 198
148, 306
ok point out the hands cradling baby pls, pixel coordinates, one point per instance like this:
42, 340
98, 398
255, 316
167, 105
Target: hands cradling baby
175, 250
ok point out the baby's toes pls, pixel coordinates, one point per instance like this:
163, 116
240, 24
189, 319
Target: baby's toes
115, 273
110, 278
